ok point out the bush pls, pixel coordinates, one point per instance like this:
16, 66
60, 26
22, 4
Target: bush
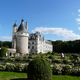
10, 67
56, 69
3, 52
2, 68
25, 68
66, 61
66, 70
19, 67
75, 71
56, 61
39, 69
18, 59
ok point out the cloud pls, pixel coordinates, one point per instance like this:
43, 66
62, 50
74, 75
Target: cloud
5, 38
78, 28
79, 10
62, 32
79, 15
78, 21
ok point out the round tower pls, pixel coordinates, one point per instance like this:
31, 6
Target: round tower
22, 39
14, 36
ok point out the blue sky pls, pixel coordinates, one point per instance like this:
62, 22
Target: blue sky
55, 19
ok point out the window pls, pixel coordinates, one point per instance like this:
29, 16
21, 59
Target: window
32, 47
32, 42
28, 47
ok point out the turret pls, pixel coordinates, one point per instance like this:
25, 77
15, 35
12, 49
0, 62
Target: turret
14, 28
22, 39
26, 27
21, 26
14, 36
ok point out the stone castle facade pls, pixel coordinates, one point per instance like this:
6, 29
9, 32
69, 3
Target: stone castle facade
26, 43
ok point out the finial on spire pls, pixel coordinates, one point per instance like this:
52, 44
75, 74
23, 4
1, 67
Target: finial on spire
14, 25
22, 20
26, 26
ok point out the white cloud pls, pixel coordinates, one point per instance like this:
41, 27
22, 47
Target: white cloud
78, 28
65, 33
5, 38
79, 10
78, 21
79, 15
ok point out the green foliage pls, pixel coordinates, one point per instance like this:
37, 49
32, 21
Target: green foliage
18, 67
3, 52
66, 46
56, 69
66, 70
10, 67
2, 67
6, 44
39, 69
12, 76
66, 61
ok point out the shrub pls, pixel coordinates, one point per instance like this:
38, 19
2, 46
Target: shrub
19, 67
2, 67
18, 59
10, 67
57, 61
39, 69
66, 69
75, 71
66, 61
56, 69
24, 68
3, 52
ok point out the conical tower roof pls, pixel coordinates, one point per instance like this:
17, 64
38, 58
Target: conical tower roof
21, 26
14, 25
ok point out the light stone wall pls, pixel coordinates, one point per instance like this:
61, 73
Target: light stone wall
47, 47
22, 43
32, 46
14, 37
40, 45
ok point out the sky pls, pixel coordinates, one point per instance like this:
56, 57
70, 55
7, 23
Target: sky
55, 19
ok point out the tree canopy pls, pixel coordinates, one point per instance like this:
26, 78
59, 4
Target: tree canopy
66, 46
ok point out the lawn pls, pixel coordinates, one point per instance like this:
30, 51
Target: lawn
23, 76
64, 77
12, 75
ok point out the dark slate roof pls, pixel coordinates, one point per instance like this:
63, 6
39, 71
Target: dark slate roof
14, 25
21, 27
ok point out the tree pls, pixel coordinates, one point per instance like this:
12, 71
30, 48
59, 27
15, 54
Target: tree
66, 46
39, 69
3, 52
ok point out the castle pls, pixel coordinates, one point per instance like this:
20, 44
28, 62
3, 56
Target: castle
26, 43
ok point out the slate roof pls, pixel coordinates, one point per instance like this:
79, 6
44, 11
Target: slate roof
14, 25
21, 26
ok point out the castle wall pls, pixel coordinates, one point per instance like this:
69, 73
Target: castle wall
22, 43
37, 44
25, 43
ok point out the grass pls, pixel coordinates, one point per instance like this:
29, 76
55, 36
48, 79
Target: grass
65, 77
23, 76
11, 75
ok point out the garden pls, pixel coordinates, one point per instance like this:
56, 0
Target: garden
23, 76
66, 68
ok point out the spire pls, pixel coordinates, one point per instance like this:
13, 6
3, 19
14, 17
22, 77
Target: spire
22, 21
26, 27
14, 25
21, 27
